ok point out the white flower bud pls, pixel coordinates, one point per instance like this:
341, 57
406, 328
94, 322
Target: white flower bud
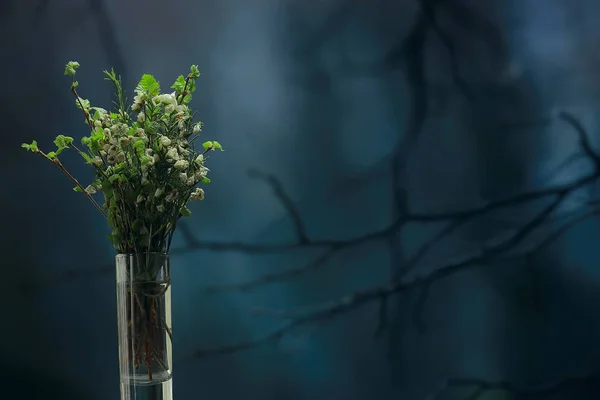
164, 141
199, 159
158, 192
98, 124
169, 108
90, 189
181, 165
183, 176
160, 208
139, 199
97, 161
172, 154
136, 107
139, 131
141, 117
197, 194
197, 127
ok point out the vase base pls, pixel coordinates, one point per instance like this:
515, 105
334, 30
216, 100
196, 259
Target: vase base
158, 391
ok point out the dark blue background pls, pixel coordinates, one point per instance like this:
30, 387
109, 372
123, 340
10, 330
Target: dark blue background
374, 117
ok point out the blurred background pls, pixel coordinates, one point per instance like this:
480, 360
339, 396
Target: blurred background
406, 208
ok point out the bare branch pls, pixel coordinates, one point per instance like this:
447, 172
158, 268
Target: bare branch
317, 263
286, 201
583, 138
360, 298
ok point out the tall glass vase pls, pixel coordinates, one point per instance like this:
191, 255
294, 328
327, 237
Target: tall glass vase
144, 326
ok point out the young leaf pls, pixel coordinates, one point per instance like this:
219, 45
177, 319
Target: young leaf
71, 67
148, 84
205, 180
62, 142
217, 146
82, 102
207, 145
194, 72
77, 189
185, 212
31, 146
51, 155
179, 84
87, 158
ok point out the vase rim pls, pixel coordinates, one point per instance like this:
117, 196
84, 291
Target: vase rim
157, 253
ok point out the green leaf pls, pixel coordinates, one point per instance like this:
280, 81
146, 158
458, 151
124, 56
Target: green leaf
87, 158
148, 84
52, 155
31, 146
194, 72
98, 112
207, 145
77, 189
191, 87
185, 212
205, 180
179, 84
79, 102
217, 146
71, 67
62, 142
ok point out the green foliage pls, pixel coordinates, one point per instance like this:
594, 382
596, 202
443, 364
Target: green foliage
33, 146
179, 84
143, 157
82, 104
71, 67
212, 146
62, 142
149, 85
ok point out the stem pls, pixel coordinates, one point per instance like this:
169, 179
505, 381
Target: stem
57, 162
183, 94
87, 115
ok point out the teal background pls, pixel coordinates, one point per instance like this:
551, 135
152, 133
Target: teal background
361, 111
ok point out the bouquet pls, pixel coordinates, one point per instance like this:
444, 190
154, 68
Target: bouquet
147, 169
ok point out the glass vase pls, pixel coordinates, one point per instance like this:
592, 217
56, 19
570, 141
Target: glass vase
144, 326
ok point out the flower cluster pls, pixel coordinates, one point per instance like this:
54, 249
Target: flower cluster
144, 160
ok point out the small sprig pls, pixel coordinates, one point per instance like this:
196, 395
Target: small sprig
145, 163
62, 142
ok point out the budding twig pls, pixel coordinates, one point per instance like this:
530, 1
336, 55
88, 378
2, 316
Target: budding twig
60, 165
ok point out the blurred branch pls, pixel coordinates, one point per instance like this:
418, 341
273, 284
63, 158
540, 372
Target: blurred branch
358, 299
106, 29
